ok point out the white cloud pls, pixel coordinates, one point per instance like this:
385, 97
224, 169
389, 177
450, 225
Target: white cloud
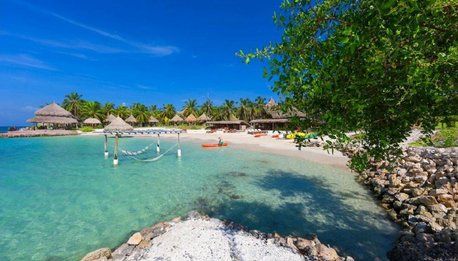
158, 50
29, 108
25, 60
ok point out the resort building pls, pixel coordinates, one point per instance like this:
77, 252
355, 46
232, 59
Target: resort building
231, 124
54, 116
276, 119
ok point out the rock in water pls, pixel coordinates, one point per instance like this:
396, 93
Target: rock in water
98, 254
135, 239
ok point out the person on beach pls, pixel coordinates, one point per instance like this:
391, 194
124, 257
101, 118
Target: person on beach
220, 141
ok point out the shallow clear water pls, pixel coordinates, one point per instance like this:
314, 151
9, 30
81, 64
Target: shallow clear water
59, 197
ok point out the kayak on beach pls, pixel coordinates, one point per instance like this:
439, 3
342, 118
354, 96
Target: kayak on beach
211, 145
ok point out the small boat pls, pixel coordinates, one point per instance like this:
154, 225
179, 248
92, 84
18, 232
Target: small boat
260, 135
212, 145
276, 136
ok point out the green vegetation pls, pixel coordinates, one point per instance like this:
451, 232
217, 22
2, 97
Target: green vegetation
443, 138
86, 129
380, 67
245, 109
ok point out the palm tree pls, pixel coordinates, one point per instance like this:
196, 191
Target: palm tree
91, 109
122, 111
108, 108
245, 110
168, 111
190, 107
72, 103
260, 107
227, 110
140, 112
154, 110
207, 108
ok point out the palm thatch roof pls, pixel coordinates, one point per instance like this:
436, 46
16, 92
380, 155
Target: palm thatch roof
203, 117
131, 119
153, 120
53, 109
270, 121
230, 122
271, 103
118, 124
176, 118
233, 118
53, 113
54, 120
92, 121
191, 118
110, 118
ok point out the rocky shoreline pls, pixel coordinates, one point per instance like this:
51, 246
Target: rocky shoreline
420, 194
151, 241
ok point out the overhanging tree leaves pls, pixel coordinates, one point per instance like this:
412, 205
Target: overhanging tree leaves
376, 66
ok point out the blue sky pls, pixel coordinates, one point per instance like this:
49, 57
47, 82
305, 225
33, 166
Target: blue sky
149, 51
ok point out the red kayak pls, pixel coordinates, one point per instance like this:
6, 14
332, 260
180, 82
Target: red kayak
211, 145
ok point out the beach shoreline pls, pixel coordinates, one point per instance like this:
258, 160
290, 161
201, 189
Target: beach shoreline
265, 144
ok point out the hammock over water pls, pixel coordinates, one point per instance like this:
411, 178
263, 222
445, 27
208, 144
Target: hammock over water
149, 160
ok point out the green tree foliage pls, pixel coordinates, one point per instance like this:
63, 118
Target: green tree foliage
168, 111
245, 110
123, 111
108, 108
376, 66
91, 109
73, 103
190, 107
227, 110
141, 113
208, 108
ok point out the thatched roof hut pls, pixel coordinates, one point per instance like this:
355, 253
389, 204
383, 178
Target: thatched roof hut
118, 124
92, 121
271, 103
53, 114
153, 120
110, 118
131, 119
176, 118
231, 124
203, 117
191, 118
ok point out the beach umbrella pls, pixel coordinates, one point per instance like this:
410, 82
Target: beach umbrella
153, 120
191, 118
110, 118
131, 119
118, 124
92, 121
203, 117
176, 118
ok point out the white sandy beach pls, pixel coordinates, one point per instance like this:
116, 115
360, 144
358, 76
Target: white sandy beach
265, 144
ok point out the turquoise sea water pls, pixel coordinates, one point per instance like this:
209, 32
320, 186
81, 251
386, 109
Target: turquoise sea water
59, 197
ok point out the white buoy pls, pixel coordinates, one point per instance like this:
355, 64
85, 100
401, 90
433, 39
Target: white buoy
115, 162
158, 145
179, 153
